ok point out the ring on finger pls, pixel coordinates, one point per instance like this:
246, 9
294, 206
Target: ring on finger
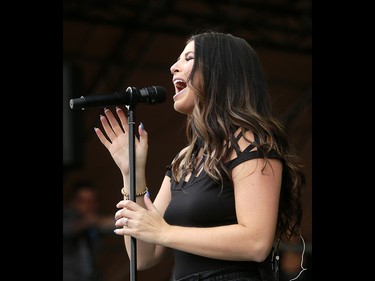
126, 222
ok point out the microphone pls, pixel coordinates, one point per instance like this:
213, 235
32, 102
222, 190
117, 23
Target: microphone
132, 96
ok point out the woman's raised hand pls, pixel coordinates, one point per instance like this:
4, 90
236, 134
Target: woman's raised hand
116, 140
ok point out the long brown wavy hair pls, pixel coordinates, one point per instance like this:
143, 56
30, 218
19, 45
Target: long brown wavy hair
232, 93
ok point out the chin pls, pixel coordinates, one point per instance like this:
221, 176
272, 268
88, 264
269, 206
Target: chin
182, 109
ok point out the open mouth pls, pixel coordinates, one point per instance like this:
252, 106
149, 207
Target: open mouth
179, 85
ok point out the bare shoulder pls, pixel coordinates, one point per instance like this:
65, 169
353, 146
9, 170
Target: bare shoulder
244, 138
263, 165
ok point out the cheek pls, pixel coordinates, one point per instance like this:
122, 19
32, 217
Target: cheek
190, 98
189, 67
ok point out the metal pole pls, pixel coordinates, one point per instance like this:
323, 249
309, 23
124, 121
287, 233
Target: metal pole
133, 241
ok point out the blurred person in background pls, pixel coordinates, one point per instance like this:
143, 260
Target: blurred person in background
83, 229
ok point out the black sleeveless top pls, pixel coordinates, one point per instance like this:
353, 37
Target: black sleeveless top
200, 202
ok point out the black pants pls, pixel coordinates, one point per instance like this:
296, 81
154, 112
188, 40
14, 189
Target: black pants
232, 273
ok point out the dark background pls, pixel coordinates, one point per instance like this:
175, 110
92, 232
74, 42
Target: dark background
111, 45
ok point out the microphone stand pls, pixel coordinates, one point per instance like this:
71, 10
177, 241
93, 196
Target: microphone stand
132, 196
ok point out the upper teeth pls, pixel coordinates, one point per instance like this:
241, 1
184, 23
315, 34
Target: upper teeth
178, 81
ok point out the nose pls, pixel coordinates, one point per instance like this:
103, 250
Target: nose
174, 68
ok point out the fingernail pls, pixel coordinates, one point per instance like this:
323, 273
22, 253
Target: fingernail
142, 126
